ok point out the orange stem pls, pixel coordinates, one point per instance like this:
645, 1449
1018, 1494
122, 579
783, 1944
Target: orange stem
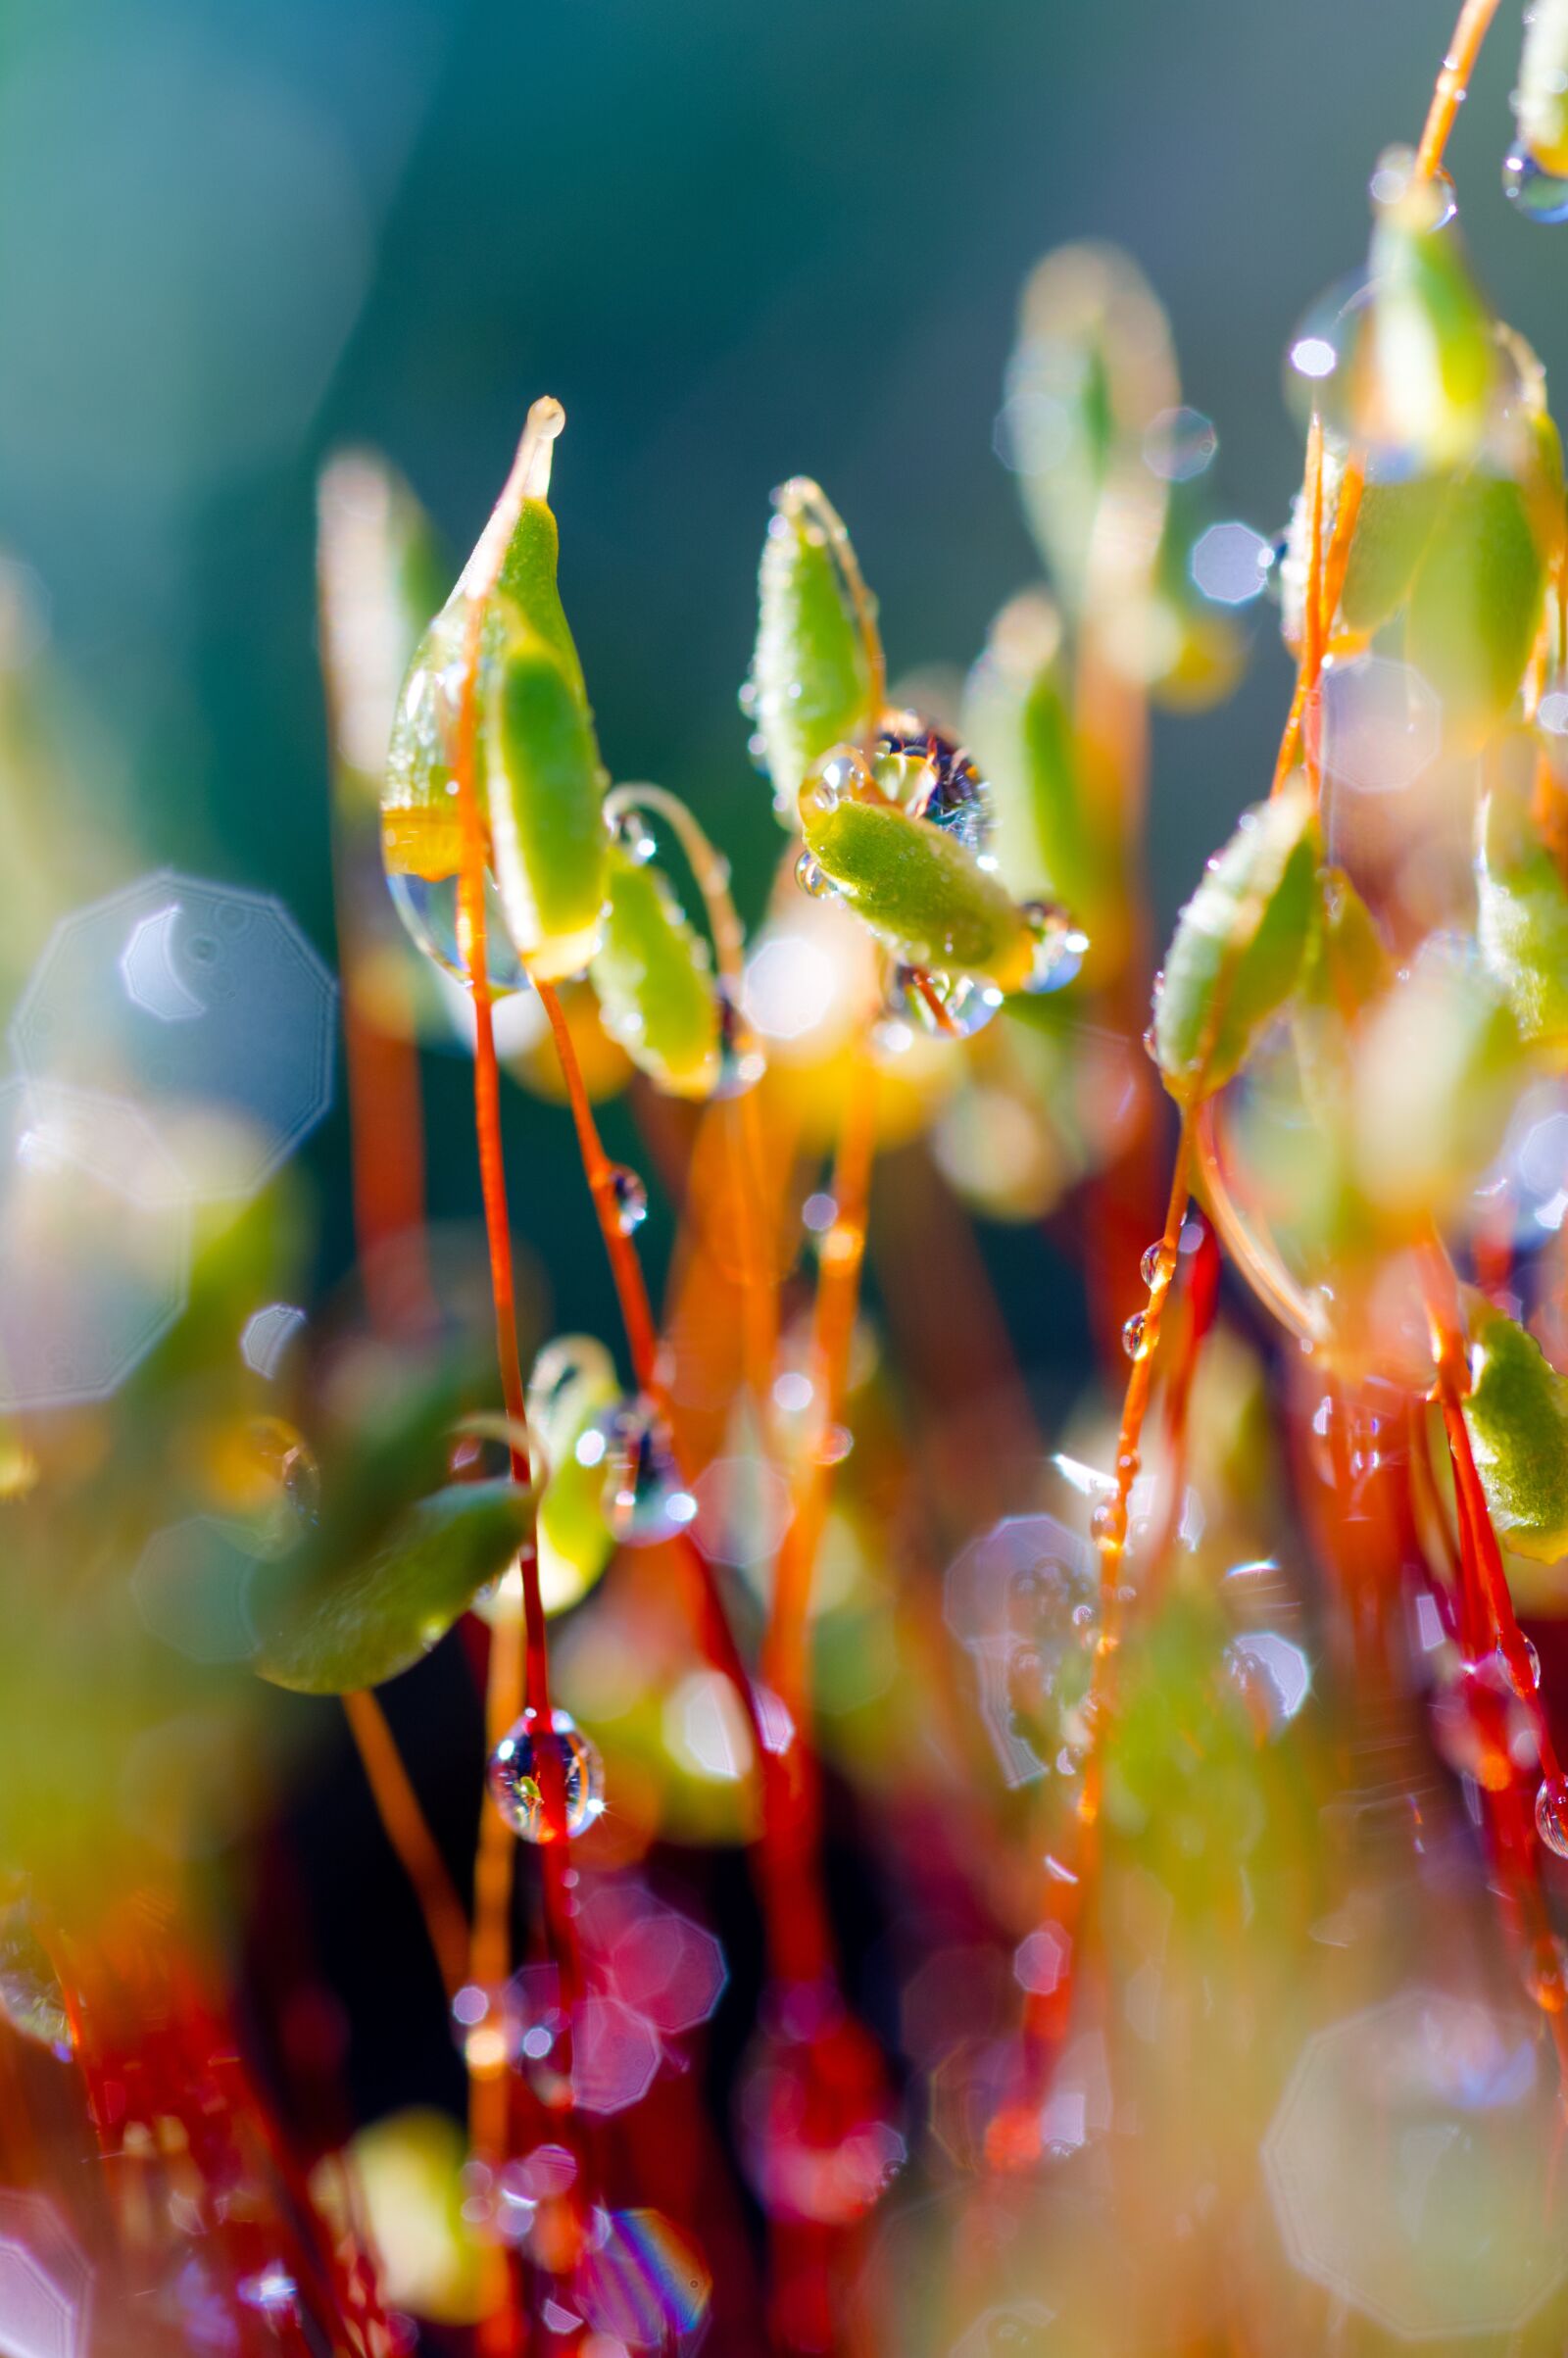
1454, 80
786, 1654
398, 1806
519, 1669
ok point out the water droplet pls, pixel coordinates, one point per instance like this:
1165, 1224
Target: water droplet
966, 1005
634, 840
645, 1502
629, 1197
1540, 196
515, 1785
1059, 947
1551, 1814
1156, 1263
428, 907
741, 1062
932, 778
836, 776
1526, 1681
1108, 1523
812, 879
1150, 1044
1133, 1334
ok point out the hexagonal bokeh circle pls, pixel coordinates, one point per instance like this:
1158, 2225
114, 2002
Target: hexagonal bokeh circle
1410, 2165
94, 1243
203, 1003
45, 2283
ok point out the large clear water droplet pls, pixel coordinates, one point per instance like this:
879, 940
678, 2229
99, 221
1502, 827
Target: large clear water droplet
646, 1501
428, 907
629, 1197
515, 1780
1551, 1814
1536, 195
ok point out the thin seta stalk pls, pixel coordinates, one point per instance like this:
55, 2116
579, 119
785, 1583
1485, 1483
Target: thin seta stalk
518, 1667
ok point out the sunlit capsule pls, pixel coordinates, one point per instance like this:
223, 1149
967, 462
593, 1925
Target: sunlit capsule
629, 1198
646, 1501
943, 1003
1133, 1335
932, 778
1540, 196
1551, 1814
515, 1776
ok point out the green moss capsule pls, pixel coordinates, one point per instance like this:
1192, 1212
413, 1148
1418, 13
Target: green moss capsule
1477, 601
912, 883
1517, 1414
537, 778
1238, 949
816, 676
573, 1389
1426, 366
1051, 839
1438, 1066
653, 974
1522, 919
547, 836
1091, 370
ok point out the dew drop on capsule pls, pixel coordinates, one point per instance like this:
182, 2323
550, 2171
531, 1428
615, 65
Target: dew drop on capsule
1551, 1814
813, 880
1133, 1334
516, 1784
629, 1198
1526, 1682
1538, 195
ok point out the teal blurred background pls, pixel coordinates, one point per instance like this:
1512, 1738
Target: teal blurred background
738, 243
